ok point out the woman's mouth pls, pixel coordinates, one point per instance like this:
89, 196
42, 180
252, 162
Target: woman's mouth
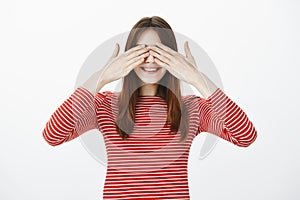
151, 70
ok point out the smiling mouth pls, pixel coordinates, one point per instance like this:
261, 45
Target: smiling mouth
150, 69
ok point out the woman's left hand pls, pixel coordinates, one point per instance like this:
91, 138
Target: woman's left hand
182, 67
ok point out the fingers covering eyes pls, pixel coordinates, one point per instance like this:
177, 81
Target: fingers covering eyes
133, 49
163, 58
136, 53
139, 59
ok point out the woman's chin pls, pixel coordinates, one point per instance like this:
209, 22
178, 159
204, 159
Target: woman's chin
149, 81
150, 78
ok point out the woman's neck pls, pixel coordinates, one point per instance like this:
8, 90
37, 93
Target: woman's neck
148, 90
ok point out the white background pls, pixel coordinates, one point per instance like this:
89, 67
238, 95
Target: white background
254, 45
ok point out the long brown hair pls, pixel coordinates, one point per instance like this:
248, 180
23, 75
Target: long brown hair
168, 87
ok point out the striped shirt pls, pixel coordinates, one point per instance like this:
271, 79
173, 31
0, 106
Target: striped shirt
151, 163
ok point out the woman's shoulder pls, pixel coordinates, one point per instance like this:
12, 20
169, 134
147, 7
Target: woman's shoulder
192, 101
190, 97
107, 94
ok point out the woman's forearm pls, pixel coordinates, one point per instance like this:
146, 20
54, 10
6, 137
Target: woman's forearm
94, 83
204, 85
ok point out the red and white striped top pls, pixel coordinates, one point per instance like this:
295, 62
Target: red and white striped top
150, 164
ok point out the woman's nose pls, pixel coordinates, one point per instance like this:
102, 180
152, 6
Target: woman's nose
149, 59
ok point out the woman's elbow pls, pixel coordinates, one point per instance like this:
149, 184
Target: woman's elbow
247, 141
48, 137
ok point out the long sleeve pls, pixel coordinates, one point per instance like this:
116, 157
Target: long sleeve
221, 116
73, 117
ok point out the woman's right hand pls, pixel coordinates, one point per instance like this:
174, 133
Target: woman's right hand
119, 66
116, 67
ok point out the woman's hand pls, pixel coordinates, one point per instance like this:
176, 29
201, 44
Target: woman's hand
119, 66
116, 67
182, 67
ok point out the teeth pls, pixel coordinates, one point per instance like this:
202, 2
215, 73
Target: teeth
150, 69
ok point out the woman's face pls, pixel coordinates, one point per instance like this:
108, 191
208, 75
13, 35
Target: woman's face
149, 71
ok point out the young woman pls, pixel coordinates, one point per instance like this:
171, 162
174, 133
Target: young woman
148, 127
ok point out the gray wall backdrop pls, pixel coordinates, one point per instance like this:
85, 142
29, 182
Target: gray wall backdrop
254, 45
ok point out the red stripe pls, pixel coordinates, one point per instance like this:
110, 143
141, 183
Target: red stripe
150, 164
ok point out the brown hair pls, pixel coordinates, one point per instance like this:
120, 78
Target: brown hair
168, 87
